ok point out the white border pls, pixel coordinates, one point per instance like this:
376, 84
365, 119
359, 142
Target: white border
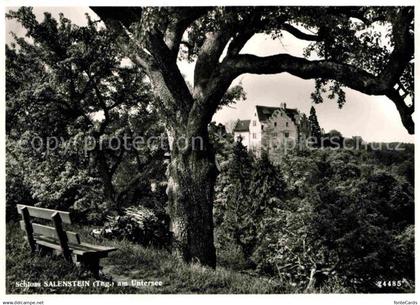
193, 299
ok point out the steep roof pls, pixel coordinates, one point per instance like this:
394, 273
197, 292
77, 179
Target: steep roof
265, 112
242, 125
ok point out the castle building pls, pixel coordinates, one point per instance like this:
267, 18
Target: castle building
271, 128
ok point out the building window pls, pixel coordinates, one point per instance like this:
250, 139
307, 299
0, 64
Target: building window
287, 124
254, 135
286, 134
262, 127
275, 124
254, 123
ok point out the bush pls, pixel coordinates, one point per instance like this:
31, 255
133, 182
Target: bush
248, 191
340, 220
16, 190
363, 227
286, 247
359, 233
140, 225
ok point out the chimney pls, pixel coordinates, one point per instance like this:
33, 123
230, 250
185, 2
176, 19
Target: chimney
283, 105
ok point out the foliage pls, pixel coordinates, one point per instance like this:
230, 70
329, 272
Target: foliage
333, 139
233, 95
69, 89
222, 141
140, 225
17, 192
315, 129
233, 199
287, 248
358, 223
341, 217
248, 191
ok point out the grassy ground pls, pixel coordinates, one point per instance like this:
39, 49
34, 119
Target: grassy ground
129, 262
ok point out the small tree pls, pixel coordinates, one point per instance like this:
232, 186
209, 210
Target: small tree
251, 191
233, 196
315, 129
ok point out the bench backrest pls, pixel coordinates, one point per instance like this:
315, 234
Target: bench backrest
44, 213
57, 232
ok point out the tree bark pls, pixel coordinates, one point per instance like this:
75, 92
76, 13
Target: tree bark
191, 179
109, 190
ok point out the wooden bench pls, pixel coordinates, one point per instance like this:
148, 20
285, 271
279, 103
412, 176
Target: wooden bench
56, 239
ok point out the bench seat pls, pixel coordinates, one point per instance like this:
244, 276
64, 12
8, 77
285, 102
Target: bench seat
82, 249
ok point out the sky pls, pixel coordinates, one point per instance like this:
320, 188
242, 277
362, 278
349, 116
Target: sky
374, 118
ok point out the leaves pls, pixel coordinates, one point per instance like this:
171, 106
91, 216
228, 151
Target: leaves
67, 87
140, 225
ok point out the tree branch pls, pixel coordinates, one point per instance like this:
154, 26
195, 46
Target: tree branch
181, 19
208, 58
238, 42
168, 74
403, 46
298, 33
118, 16
102, 104
349, 75
404, 110
117, 163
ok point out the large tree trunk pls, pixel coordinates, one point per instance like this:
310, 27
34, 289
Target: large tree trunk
192, 174
109, 190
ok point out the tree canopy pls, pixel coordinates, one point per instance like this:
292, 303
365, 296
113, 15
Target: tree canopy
346, 42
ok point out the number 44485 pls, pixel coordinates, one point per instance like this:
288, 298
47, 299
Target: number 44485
381, 284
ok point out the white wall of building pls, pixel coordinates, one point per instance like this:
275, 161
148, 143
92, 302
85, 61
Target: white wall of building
255, 135
271, 134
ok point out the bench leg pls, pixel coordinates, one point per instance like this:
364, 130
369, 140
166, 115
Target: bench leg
42, 250
91, 264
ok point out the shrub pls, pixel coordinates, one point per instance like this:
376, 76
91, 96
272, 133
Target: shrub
286, 247
140, 225
335, 222
17, 191
359, 226
248, 191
